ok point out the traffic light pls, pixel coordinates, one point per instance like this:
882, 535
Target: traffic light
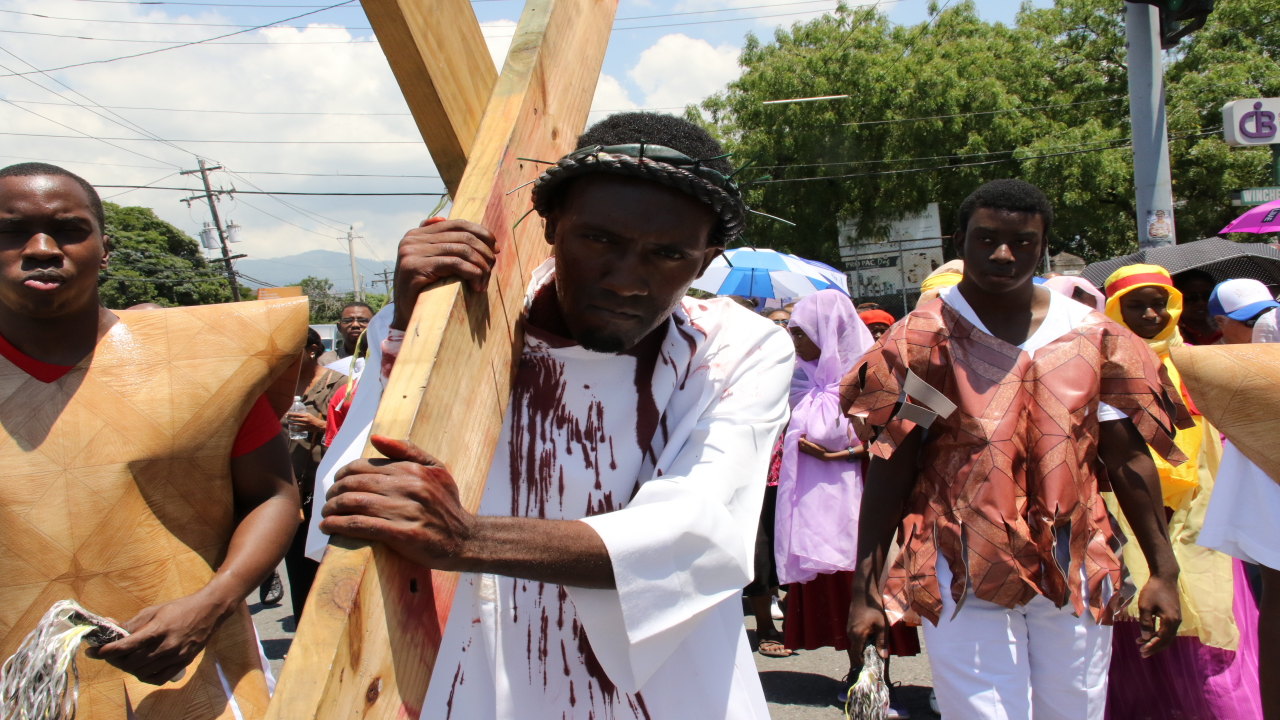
1179, 18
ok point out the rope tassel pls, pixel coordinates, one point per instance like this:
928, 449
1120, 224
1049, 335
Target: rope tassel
40, 681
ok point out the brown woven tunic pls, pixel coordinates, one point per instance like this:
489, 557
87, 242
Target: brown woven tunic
1008, 485
117, 489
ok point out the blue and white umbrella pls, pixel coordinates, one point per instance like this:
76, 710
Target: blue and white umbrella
769, 274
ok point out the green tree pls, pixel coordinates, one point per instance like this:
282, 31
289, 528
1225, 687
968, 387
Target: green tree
326, 305
942, 106
153, 261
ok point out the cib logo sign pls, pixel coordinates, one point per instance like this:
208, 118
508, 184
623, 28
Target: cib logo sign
1251, 122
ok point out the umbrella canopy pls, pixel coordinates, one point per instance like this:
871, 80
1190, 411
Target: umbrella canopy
1219, 257
769, 274
1264, 218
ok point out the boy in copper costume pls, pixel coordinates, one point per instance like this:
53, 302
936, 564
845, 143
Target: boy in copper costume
995, 414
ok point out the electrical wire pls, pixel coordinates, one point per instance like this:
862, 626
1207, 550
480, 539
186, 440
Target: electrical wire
279, 192
338, 113
879, 173
181, 45
366, 28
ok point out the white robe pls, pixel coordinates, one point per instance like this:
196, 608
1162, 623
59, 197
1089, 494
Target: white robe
678, 515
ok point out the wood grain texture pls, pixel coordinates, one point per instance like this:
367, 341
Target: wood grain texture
373, 622
1237, 387
444, 70
117, 491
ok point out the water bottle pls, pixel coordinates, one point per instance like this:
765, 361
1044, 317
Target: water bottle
297, 430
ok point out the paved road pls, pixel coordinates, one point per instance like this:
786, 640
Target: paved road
800, 687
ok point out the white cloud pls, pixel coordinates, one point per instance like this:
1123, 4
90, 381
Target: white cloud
498, 35
678, 70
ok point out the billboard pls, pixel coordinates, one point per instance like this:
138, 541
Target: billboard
896, 262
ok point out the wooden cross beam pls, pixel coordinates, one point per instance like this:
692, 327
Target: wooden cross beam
373, 622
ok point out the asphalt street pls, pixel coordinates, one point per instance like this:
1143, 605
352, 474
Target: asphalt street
801, 687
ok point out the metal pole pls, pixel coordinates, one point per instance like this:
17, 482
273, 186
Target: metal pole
1151, 180
1275, 164
217, 224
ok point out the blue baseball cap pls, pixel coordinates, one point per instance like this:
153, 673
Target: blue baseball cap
1241, 299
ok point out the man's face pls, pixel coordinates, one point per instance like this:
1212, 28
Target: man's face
351, 323
1001, 249
1146, 310
1195, 300
51, 247
1235, 332
877, 329
626, 251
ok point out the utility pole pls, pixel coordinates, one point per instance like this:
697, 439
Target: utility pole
211, 197
1151, 180
384, 277
357, 291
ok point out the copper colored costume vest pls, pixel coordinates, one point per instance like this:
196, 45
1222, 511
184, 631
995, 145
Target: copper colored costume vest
117, 489
1008, 484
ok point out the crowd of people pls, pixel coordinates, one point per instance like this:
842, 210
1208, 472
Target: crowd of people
1210, 670
1016, 467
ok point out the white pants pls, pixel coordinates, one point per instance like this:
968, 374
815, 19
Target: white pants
1034, 662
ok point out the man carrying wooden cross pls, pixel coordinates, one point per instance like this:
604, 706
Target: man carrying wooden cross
603, 569
145, 474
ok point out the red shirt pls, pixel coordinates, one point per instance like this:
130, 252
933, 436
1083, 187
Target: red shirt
258, 427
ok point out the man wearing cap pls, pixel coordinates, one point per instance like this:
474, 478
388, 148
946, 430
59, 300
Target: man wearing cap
602, 573
1241, 520
1238, 305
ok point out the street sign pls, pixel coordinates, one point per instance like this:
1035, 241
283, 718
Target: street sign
1249, 197
1251, 122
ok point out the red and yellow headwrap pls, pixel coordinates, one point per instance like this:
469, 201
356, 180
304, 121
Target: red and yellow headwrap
1130, 278
1176, 482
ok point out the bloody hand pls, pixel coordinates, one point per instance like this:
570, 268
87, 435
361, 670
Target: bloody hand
439, 249
408, 501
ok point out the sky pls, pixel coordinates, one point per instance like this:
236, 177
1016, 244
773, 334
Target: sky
301, 100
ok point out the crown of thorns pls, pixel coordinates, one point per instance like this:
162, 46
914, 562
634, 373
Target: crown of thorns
660, 164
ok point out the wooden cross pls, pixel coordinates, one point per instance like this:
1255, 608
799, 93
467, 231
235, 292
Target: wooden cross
373, 621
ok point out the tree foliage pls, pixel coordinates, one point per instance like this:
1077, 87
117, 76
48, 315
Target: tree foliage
938, 108
326, 305
155, 262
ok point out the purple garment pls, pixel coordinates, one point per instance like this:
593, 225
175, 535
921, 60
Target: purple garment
816, 525
1068, 284
1190, 680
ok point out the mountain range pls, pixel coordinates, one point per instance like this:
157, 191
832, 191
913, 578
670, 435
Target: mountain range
290, 269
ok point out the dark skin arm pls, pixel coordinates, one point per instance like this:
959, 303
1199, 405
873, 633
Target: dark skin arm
1137, 487
889, 483
165, 638
813, 449
409, 502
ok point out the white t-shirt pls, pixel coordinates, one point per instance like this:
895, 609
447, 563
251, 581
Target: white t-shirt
678, 517
1063, 316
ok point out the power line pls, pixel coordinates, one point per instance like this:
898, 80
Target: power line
232, 142
182, 45
281, 192
338, 113
112, 117
877, 173
366, 28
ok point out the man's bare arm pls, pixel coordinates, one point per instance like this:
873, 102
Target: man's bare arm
1137, 486
410, 503
165, 638
887, 487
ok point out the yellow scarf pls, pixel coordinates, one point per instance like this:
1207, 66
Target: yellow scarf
1176, 483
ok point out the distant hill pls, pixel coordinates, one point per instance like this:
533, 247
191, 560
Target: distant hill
288, 270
